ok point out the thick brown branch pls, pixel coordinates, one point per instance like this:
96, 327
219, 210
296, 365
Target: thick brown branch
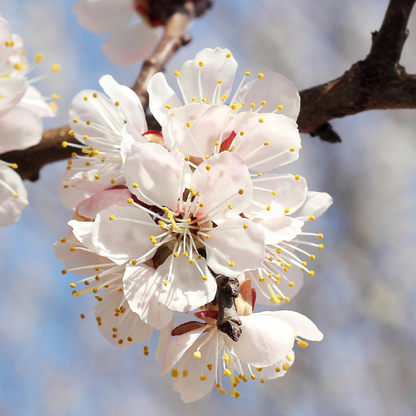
173, 38
376, 83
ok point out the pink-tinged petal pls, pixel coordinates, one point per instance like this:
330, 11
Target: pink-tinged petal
129, 328
19, 129
223, 181
234, 246
100, 16
5, 35
10, 205
277, 229
128, 101
163, 343
79, 258
157, 173
125, 237
94, 117
79, 183
303, 326
178, 347
268, 140
82, 230
33, 101
105, 199
185, 289
141, 290
160, 96
265, 340
130, 43
177, 133
276, 90
201, 81
275, 194
12, 90
315, 205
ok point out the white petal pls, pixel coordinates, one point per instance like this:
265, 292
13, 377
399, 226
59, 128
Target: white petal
279, 229
163, 342
19, 129
268, 144
160, 95
127, 236
100, 16
128, 101
202, 81
130, 43
178, 347
11, 206
275, 194
222, 180
12, 90
240, 241
157, 172
277, 370
303, 326
185, 289
276, 90
316, 204
265, 339
33, 101
141, 290
120, 329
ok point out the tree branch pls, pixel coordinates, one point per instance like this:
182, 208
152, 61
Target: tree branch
376, 83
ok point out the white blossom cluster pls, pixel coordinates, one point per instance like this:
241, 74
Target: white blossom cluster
21, 109
159, 215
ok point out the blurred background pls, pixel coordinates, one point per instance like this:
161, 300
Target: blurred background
364, 289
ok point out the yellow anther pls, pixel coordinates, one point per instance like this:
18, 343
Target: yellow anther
56, 67
86, 98
263, 102
242, 133
266, 143
230, 206
205, 278
117, 103
268, 208
222, 391
130, 200
72, 285
187, 158
14, 166
175, 373
202, 378
199, 257
259, 174
209, 366
194, 99
75, 120
184, 373
165, 282
291, 284
72, 249
167, 106
302, 344
53, 105
82, 316
287, 210
63, 240
185, 254
111, 217
135, 185
252, 105
204, 100
197, 354
229, 55
261, 75
292, 149
286, 366
207, 236
191, 261
177, 73
262, 279
64, 144
64, 271
130, 339
134, 262
71, 133
280, 107
241, 192
253, 377
113, 181
39, 57
287, 299
201, 63
277, 369
85, 137
226, 372
233, 106
231, 264
95, 95
320, 246
201, 204
188, 124
320, 236
311, 218
208, 167
226, 358
248, 73
245, 226
97, 177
